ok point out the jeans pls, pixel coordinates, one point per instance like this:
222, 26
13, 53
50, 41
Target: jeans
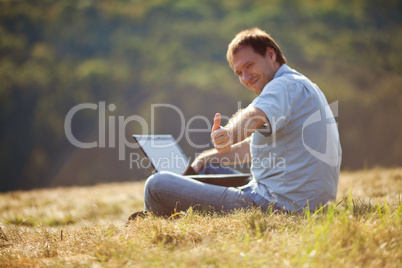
166, 193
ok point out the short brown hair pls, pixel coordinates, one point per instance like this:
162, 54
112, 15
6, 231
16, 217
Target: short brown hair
258, 40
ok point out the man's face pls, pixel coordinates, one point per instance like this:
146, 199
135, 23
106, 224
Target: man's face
254, 70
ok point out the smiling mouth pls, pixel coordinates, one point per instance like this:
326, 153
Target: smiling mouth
252, 83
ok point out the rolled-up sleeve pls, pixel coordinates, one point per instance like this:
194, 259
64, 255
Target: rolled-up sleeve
274, 102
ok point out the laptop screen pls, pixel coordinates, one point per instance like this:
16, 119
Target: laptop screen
164, 152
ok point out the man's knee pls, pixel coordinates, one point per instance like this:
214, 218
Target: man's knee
154, 192
156, 181
152, 182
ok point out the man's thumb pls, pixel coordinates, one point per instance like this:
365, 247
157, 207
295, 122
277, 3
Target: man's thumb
217, 122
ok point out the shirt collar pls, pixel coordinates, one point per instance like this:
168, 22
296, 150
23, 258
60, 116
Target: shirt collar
282, 70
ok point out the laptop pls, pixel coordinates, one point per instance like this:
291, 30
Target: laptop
165, 154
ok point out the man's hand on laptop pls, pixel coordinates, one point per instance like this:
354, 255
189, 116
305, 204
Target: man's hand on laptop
198, 163
220, 136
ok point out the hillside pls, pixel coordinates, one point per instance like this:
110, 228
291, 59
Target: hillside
84, 226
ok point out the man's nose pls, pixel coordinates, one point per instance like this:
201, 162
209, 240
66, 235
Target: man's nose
246, 77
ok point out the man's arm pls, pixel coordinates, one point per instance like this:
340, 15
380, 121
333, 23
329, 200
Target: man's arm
241, 126
240, 153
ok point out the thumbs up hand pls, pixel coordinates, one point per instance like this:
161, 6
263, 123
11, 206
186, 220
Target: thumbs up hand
217, 122
220, 136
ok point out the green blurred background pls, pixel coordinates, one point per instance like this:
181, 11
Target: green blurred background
55, 55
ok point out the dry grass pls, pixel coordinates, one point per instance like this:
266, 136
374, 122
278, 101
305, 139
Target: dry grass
85, 226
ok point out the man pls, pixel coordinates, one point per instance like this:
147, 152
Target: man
288, 132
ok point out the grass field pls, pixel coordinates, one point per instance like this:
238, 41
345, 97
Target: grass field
85, 226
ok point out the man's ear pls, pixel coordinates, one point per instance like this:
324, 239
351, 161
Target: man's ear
271, 54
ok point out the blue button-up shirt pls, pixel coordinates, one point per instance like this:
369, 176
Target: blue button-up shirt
296, 163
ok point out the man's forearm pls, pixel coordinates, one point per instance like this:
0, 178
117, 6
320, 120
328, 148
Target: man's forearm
240, 153
244, 123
